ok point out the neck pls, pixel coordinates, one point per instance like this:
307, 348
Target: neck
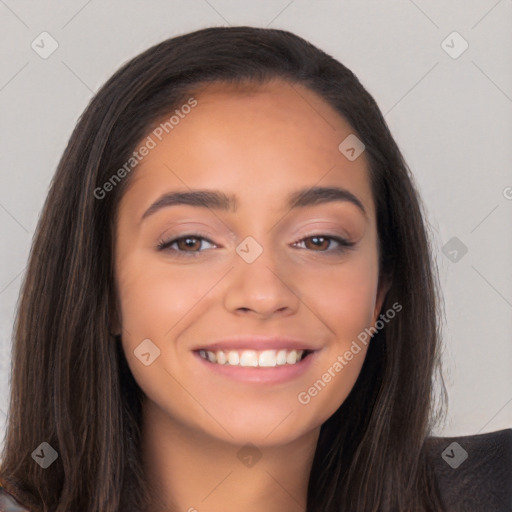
190, 471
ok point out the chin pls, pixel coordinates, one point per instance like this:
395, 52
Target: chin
271, 427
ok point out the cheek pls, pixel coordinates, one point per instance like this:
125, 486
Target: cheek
154, 301
153, 298
344, 295
344, 300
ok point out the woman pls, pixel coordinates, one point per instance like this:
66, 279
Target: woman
285, 365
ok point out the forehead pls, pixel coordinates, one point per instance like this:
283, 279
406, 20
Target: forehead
258, 141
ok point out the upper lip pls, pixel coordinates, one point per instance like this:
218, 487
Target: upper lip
257, 343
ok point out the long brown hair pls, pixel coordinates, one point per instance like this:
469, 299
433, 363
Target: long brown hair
71, 386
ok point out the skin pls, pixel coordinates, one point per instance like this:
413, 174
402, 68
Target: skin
260, 144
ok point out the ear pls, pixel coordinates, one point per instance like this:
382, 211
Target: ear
382, 290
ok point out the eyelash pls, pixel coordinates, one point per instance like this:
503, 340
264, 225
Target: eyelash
163, 245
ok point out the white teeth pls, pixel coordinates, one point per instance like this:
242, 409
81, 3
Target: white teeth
254, 358
249, 358
291, 357
281, 357
267, 358
233, 358
221, 357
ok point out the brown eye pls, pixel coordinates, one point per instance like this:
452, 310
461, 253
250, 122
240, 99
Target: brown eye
186, 245
321, 243
189, 242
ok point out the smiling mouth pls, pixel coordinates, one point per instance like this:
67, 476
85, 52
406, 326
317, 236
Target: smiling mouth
254, 358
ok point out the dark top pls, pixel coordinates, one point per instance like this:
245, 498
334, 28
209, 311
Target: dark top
474, 473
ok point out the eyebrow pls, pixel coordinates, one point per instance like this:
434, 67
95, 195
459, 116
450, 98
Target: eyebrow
218, 200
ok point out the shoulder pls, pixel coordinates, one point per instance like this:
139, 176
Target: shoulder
8, 502
474, 472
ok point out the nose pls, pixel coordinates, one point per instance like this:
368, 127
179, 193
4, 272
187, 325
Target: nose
264, 286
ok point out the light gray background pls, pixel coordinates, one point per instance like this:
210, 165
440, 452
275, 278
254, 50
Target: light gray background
452, 118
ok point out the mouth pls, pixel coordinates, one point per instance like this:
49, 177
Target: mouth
269, 358
261, 367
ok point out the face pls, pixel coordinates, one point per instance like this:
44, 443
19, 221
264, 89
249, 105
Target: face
254, 275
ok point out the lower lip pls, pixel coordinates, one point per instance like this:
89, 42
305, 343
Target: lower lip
262, 375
